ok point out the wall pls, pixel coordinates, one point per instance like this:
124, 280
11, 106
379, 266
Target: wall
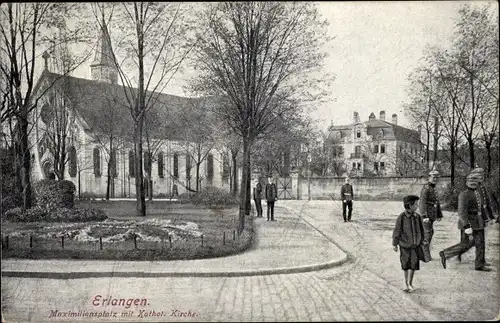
388, 188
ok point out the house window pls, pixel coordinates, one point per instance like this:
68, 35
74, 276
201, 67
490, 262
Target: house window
382, 149
359, 166
357, 151
382, 166
97, 162
161, 165
358, 133
375, 150
131, 164
113, 164
72, 161
381, 133
375, 166
210, 166
176, 166
353, 165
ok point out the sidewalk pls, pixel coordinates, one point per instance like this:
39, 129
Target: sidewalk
285, 246
456, 293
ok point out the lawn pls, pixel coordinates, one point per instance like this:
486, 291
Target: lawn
170, 231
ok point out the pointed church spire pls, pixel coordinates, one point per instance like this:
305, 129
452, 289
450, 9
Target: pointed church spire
103, 67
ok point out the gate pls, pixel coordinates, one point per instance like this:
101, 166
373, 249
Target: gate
284, 186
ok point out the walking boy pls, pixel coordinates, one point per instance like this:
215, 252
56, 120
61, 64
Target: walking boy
408, 234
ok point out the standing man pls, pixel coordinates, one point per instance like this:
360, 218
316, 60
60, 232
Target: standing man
347, 196
271, 197
473, 221
430, 209
257, 197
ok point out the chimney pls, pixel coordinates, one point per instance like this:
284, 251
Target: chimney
371, 117
355, 117
395, 119
382, 115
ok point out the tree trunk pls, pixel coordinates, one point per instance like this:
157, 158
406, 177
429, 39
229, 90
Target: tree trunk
110, 161
452, 162
488, 156
427, 150
139, 175
25, 159
472, 160
244, 192
79, 186
198, 176
234, 173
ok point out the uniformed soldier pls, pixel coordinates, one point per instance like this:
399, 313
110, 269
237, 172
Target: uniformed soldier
473, 221
485, 196
430, 209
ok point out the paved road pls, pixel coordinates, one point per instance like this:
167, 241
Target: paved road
367, 288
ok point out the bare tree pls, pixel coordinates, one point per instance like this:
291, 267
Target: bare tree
24, 30
152, 42
258, 55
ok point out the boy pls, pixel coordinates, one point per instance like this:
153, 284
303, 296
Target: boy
409, 236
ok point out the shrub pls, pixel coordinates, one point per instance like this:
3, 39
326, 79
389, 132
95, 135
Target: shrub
86, 196
51, 194
213, 197
11, 214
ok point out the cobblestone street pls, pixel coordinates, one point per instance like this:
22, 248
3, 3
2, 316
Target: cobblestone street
369, 287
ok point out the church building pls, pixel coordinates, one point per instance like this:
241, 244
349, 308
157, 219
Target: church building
88, 123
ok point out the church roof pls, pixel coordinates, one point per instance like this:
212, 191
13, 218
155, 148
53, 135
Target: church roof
102, 104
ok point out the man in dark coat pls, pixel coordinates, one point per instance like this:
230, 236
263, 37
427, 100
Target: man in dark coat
257, 198
430, 209
347, 196
473, 221
271, 197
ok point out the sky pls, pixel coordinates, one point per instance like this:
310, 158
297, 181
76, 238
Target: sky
376, 45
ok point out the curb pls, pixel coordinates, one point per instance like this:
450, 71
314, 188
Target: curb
257, 272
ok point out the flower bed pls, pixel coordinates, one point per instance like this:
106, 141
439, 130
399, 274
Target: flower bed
153, 230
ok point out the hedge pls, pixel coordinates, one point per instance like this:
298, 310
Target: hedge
37, 214
213, 197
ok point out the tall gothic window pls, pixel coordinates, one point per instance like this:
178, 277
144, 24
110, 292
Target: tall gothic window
113, 161
97, 162
147, 162
176, 165
72, 161
188, 167
225, 167
131, 163
210, 166
160, 165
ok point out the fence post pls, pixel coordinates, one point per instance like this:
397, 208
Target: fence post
100, 243
202, 240
234, 235
7, 242
170, 240
135, 241
224, 237
31, 241
62, 242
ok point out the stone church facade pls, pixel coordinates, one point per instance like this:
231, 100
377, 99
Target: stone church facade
82, 107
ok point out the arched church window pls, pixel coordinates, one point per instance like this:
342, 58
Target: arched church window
113, 163
176, 165
97, 162
210, 166
72, 170
160, 165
